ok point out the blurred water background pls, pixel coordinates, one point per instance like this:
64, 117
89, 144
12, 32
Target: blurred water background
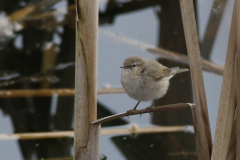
49, 29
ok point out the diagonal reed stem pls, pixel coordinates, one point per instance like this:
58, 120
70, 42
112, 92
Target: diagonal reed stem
204, 143
227, 103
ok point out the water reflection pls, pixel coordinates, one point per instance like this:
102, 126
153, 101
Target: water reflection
157, 146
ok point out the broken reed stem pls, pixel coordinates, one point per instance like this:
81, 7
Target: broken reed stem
86, 136
195, 62
238, 80
49, 92
141, 111
133, 129
227, 103
174, 56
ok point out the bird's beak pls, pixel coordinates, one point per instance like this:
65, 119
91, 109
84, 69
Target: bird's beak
125, 67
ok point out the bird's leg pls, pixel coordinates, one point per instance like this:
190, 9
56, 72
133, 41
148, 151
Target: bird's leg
128, 112
148, 109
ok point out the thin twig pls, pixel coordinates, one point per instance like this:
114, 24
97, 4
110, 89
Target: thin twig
141, 111
197, 127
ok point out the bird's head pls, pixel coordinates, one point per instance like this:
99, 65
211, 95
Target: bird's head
133, 64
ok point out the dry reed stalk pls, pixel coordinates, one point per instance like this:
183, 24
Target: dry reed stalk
133, 129
238, 80
212, 27
36, 92
85, 134
238, 106
38, 135
197, 132
174, 56
49, 92
204, 141
227, 100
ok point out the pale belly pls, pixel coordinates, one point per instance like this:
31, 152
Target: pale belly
144, 89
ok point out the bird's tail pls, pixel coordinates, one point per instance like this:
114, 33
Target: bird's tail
177, 70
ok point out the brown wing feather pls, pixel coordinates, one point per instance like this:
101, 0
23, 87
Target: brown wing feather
156, 70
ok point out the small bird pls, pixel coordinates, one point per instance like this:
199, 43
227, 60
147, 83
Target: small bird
145, 79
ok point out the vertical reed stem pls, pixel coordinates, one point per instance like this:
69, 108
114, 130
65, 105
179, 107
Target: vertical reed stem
86, 79
204, 145
238, 80
227, 103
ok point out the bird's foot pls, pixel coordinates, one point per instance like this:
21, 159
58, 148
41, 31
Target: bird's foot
149, 109
129, 111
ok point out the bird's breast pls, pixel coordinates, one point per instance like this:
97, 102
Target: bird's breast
130, 83
143, 88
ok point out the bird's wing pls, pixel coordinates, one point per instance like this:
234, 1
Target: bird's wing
156, 70
165, 72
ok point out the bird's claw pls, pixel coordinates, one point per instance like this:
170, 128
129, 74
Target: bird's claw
128, 112
149, 109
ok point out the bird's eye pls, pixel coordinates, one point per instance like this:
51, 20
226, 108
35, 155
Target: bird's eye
134, 65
